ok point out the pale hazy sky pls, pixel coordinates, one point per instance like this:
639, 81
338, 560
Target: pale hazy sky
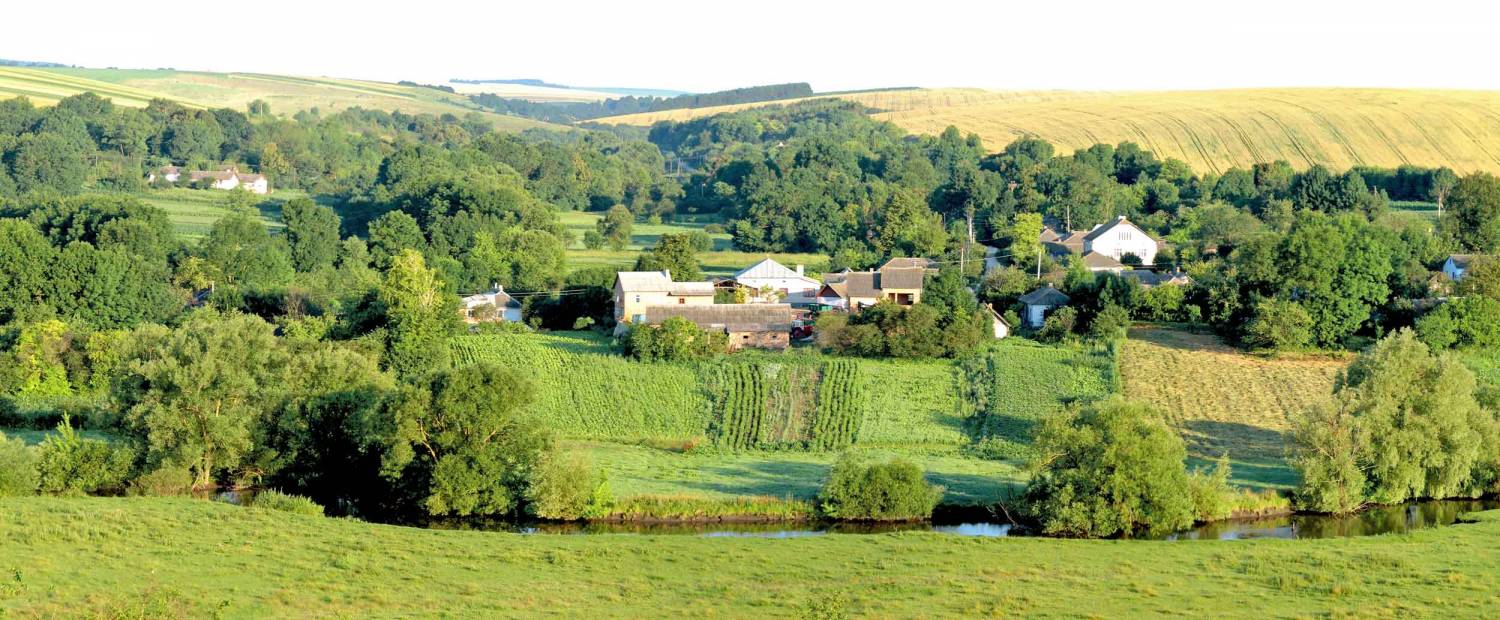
707, 45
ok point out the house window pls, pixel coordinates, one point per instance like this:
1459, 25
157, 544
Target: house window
637, 299
681, 300
1124, 235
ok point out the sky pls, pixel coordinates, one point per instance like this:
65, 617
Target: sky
705, 45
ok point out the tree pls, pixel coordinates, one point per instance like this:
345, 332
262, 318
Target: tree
461, 440
1481, 278
674, 252
615, 227
193, 397
420, 315
25, 260
68, 464
567, 486
1404, 424
1278, 324
245, 254
391, 233
1470, 322
1113, 468
1442, 183
1025, 240
312, 232
1472, 221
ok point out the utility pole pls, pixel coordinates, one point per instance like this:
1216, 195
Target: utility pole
963, 260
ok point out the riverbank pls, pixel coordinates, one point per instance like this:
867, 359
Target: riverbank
176, 557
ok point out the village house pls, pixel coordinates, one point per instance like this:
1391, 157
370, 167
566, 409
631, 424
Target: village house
999, 327
494, 305
1149, 279
759, 326
228, 178
635, 291
1104, 247
1457, 265
770, 281
1040, 302
898, 281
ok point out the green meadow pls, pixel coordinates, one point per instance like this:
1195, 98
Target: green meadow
149, 558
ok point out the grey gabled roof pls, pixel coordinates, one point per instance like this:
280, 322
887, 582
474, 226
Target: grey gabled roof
1045, 296
1095, 260
1461, 260
901, 277
728, 317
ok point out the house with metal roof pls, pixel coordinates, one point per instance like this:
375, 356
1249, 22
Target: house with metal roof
1104, 247
635, 291
760, 326
770, 281
898, 281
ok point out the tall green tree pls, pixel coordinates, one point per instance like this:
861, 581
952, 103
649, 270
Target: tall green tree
615, 227
194, 396
245, 254
312, 232
1472, 221
1404, 424
462, 442
674, 252
420, 316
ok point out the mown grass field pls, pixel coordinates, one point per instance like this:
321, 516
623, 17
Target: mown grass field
139, 557
636, 470
1210, 130
286, 94
1222, 400
721, 261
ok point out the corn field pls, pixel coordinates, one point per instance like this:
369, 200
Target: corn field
840, 406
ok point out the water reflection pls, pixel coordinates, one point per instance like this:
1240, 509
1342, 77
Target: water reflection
1384, 520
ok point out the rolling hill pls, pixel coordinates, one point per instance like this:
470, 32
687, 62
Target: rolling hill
1211, 130
286, 94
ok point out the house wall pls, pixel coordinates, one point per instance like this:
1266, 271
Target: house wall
1036, 315
1122, 240
1451, 269
759, 340
999, 329
258, 187
631, 307
791, 286
905, 296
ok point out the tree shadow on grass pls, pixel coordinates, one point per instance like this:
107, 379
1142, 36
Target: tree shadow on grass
772, 478
1257, 456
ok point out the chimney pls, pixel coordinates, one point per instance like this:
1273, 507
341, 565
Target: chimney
668, 273
799, 270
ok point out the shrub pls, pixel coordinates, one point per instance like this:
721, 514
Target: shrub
714, 229
271, 499
566, 486
1212, 497
593, 240
164, 481
71, 465
1114, 468
18, 475
677, 339
1463, 322
1110, 323
892, 491
1058, 325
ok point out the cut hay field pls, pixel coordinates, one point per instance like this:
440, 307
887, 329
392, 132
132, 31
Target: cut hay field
286, 94
1224, 400
179, 558
1210, 130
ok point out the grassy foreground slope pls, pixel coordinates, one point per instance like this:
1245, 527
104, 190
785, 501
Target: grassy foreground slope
286, 94
1210, 130
138, 557
1222, 400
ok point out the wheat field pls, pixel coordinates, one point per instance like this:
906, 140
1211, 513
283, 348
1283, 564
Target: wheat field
286, 94
1210, 130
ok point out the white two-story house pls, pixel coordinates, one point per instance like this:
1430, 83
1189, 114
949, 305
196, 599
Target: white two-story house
1105, 246
783, 284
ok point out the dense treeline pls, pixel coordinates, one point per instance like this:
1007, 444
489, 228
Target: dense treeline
571, 112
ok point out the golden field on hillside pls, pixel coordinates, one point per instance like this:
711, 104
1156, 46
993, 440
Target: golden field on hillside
286, 94
1210, 130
